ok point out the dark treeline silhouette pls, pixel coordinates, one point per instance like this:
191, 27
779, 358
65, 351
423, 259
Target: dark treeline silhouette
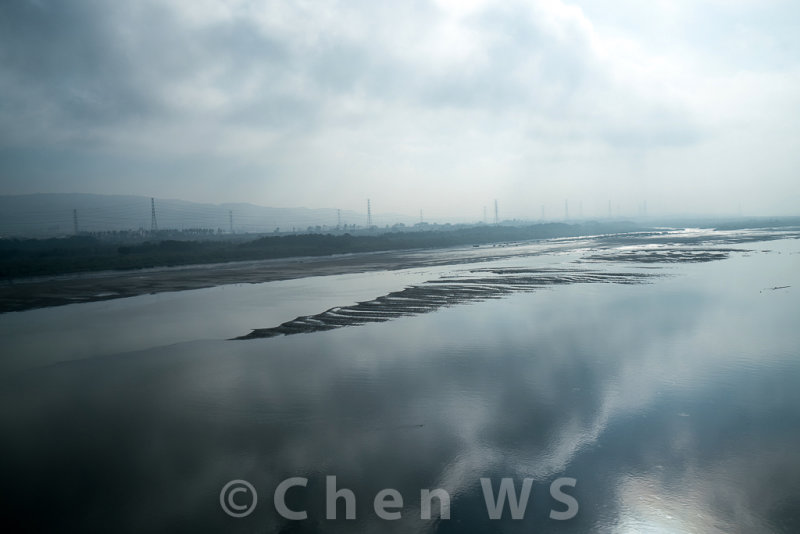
34, 257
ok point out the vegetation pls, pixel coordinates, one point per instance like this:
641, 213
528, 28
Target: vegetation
34, 257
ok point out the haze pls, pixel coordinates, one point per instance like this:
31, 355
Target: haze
442, 106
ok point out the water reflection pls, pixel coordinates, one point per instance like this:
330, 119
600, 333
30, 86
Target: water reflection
674, 405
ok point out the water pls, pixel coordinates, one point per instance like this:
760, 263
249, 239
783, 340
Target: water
675, 405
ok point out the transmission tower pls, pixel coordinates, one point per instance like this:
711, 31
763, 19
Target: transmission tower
496, 213
153, 222
484, 215
338, 219
230, 219
369, 214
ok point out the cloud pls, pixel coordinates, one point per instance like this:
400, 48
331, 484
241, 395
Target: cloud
371, 93
98, 64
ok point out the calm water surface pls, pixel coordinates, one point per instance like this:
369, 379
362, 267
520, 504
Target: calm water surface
674, 405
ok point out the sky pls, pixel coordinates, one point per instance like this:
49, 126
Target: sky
444, 106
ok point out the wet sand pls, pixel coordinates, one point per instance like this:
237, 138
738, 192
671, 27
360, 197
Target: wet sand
482, 284
25, 294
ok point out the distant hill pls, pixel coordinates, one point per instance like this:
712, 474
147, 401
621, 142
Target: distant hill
47, 215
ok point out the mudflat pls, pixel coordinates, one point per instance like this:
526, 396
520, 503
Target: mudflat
39, 292
668, 246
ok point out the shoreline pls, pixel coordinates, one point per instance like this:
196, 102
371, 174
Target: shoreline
32, 293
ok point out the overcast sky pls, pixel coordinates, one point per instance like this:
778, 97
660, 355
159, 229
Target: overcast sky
444, 106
